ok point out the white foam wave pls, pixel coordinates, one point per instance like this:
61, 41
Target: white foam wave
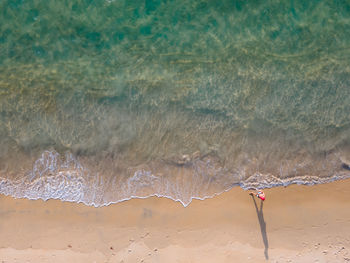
261, 181
64, 178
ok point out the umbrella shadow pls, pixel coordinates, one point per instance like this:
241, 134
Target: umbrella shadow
262, 223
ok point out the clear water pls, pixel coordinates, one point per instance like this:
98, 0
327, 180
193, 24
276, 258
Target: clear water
103, 101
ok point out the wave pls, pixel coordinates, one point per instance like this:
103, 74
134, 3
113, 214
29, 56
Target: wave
63, 177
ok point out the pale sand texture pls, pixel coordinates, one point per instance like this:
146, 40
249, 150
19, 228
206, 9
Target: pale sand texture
303, 224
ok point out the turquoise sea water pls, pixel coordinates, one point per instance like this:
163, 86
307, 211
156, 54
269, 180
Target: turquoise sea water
102, 101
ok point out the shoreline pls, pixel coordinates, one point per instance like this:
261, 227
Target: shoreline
266, 181
296, 224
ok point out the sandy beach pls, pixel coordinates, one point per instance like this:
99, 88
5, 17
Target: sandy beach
295, 224
105, 101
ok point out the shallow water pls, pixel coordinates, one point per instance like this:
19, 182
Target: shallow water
102, 101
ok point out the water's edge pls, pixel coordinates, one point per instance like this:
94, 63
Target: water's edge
69, 181
284, 184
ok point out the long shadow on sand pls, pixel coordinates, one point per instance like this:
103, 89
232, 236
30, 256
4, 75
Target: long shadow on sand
262, 223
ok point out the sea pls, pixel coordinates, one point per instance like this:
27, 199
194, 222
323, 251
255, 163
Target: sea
102, 101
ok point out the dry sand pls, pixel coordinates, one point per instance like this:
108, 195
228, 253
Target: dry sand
296, 224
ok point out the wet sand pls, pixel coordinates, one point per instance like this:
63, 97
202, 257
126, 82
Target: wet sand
295, 224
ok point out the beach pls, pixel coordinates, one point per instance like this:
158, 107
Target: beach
133, 131
295, 224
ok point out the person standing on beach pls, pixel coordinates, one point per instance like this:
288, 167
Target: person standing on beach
260, 194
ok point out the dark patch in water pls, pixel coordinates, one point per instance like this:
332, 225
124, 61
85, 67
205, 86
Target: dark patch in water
345, 166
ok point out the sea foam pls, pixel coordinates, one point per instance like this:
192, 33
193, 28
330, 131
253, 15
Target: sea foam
54, 177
